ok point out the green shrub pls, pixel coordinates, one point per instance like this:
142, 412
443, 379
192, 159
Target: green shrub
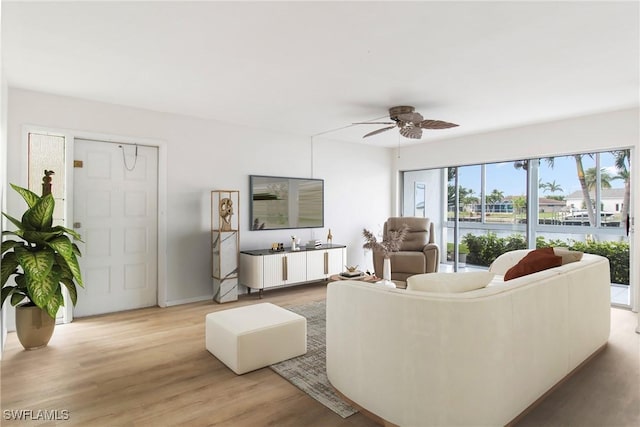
484, 249
462, 248
616, 252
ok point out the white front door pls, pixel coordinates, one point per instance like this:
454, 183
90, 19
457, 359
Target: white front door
115, 210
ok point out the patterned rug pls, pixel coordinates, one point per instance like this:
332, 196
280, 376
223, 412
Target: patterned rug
308, 372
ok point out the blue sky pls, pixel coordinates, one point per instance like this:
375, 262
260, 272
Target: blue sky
512, 182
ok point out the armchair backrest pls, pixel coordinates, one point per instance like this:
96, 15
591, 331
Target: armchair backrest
421, 231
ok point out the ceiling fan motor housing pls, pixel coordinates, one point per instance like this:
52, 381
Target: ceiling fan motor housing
402, 109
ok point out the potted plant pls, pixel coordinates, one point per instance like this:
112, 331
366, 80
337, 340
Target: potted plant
390, 243
42, 261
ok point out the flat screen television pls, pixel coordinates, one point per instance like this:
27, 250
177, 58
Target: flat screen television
278, 202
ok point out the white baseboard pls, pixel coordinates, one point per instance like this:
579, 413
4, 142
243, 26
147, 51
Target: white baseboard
190, 300
241, 291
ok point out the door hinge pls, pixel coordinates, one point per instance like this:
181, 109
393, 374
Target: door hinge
77, 163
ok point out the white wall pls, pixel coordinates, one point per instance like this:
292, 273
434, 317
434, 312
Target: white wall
3, 185
357, 191
597, 132
205, 155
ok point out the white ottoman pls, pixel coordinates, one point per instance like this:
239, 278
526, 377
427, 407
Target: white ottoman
255, 336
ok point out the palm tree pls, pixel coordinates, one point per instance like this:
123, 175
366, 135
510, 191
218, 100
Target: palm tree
496, 196
466, 197
541, 184
451, 188
519, 204
623, 164
590, 177
585, 190
552, 187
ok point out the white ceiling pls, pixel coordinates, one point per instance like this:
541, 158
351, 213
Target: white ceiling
310, 67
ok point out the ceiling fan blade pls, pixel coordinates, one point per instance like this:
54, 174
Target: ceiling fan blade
436, 124
410, 117
411, 132
373, 123
375, 132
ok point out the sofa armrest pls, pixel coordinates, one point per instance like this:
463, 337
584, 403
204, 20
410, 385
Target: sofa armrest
432, 255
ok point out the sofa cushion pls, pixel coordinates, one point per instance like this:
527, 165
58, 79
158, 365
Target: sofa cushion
568, 256
534, 261
449, 282
507, 260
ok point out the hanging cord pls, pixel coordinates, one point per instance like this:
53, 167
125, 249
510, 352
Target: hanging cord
124, 159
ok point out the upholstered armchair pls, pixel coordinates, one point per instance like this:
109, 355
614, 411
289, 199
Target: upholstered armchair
418, 252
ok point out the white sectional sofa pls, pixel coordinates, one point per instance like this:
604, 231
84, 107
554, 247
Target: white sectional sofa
476, 358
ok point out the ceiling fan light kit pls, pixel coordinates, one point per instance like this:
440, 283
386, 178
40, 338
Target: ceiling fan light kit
409, 122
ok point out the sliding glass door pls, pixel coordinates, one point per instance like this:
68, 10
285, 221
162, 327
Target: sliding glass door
580, 201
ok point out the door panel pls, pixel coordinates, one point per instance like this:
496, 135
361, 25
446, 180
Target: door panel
115, 207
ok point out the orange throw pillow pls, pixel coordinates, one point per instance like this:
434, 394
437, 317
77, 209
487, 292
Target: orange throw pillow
534, 261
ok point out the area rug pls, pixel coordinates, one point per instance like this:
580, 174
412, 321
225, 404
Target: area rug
309, 371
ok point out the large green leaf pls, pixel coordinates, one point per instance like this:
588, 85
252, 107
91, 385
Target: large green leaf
21, 281
8, 266
64, 247
14, 221
42, 289
9, 244
6, 291
40, 237
29, 196
75, 269
69, 231
36, 264
71, 287
66, 272
40, 216
55, 302
76, 250
17, 297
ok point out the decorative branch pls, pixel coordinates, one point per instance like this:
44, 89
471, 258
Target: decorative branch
390, 244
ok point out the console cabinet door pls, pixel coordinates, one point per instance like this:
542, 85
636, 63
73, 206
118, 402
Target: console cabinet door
285, 268
274, 270
337, 260
316, 265
296, 267
323, 263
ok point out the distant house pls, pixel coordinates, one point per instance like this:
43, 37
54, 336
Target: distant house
611, 199
506, 205
551, 205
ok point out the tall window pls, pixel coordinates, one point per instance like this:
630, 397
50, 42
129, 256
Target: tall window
580, 201
46, 152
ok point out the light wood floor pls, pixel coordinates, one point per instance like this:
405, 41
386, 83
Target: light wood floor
149, 367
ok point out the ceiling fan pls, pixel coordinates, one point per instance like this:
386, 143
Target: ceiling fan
409, 122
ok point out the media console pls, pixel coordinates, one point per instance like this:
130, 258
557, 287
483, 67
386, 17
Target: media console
262, 269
